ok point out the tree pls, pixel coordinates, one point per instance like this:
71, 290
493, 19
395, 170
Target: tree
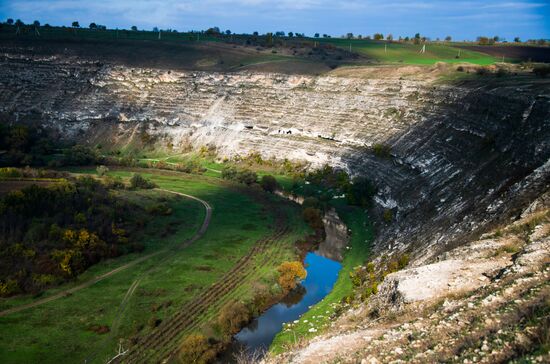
517, 40
316, 35
155, 29
378, 36
389, 37
232, 316
137, 181
10, 21
448, 38
93, 26
349, 35
196, 349
75, 24
269, 183
102, 170
134, 28
19, 23
36, 23
255, 34
496, 38
290, 34
313, 218
289, 275
228, 32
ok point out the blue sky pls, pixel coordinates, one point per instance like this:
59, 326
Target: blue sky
460, 19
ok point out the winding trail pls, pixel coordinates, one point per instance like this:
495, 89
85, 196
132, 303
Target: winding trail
101, 277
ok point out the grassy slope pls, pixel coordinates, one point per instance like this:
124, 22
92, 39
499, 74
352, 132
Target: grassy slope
58, 331
409, 53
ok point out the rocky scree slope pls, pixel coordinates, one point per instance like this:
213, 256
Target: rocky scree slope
487, 301
459, 158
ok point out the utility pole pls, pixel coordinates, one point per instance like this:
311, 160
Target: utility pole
385, 48
350, 47
159, 34
423, 50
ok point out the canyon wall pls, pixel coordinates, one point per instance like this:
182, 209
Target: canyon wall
462, 156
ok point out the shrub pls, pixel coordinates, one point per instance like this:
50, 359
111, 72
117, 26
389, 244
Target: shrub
312, 217
381, 150
269, 183
541, 71
80, 155
289, 274
232, 316
138, 181
311, 202
10, 172
102, 170
245, 176
387, 215
196, 348
360, 192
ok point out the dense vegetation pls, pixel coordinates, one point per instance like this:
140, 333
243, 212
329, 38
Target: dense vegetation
51, 234
22, 145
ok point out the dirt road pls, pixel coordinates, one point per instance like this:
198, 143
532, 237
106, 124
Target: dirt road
99, 278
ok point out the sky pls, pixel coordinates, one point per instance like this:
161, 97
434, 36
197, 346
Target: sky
527, 19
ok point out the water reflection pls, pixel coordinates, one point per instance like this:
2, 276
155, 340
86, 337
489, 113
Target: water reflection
321, 275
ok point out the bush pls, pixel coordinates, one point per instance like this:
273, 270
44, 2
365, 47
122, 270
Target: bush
381, 150
245, 176
138, 181
102, 170
541, 71
269, 184
387, 215
289, 274
232, 316
196, 348
313, 218
360, 192
80, 155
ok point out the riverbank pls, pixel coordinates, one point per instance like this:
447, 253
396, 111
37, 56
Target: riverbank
321, 314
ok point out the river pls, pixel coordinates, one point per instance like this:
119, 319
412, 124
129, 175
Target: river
322, 266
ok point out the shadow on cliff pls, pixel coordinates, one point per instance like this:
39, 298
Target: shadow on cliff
464, 168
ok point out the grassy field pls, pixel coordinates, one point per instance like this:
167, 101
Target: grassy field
406, 53
64, 330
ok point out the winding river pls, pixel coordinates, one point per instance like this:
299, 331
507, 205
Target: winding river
322, 267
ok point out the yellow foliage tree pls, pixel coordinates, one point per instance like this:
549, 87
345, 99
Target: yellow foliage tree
289, 275
196, 349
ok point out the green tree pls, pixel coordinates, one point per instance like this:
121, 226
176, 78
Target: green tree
10, 21
75, 24
269, 183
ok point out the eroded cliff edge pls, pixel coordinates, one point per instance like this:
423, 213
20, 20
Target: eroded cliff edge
460, 158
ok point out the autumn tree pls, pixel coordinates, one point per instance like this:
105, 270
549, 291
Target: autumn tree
289, 275
232, 316
196, 349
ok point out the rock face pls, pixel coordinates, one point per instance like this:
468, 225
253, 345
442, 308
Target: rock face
461, 157
486, 302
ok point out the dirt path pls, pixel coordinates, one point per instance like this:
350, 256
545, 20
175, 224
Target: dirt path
101, 277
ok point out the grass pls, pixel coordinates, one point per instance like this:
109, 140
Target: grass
321, 314
407, 53
60, 330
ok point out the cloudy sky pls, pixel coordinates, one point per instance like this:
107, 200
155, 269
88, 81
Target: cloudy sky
460, 19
